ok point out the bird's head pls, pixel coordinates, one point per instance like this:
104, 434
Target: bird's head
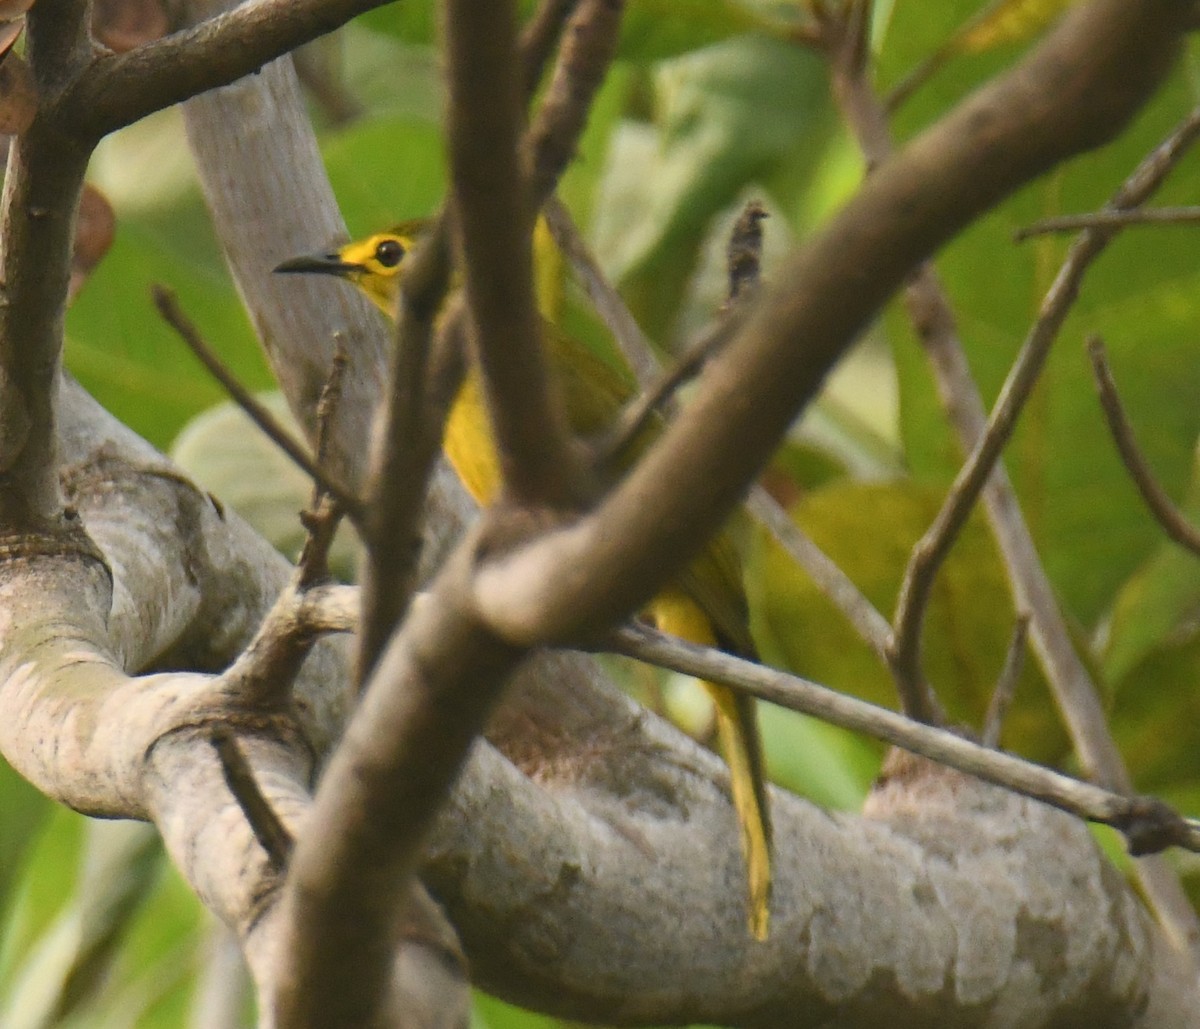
374, 264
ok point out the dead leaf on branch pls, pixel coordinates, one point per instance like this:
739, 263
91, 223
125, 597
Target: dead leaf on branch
95, 229
124, 24
18, 96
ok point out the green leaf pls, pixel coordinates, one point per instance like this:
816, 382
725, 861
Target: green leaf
869, 530
724, 117
228, 455
652, 30
385, 170
122, 351
1087, 521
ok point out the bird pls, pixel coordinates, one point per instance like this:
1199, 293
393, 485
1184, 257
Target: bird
706, 604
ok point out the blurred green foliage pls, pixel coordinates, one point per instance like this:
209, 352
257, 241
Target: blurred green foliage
709, 104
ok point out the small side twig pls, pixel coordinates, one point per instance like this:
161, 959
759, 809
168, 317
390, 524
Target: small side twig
1173, 521
744, 254
539, 36
168, 306
657, 385
939, 336
268, 828
659, 398
324, 513
1006, 684
1109, 220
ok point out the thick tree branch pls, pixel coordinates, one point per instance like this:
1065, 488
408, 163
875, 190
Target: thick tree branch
426, 703
492, 199
1075, 91
118, 89
41, 195
587, 49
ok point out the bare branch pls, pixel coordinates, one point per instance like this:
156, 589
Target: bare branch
1173, 521
539, 36
407, 448
931, 550
828, 577
1006, 684
428, 699
1110, 219
118, 89
588, 47
168, 306
1148, 823
1031, 118
609, 305
492, 199
268, 828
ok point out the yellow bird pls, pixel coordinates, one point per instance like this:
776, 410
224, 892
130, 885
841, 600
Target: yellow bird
706, 605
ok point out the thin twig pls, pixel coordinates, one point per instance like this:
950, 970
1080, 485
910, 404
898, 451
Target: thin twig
606, 301
829, 578
635, 347
1173, 521
324, 513
539, 37
932, 548
1006, 684
588, 47
1110, 219
1147, 823
168, 306
659, 398
268, 828
329, 399
409, 442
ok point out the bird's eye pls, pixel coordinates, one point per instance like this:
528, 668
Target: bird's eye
389, 252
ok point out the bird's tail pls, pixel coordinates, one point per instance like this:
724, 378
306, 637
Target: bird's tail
737, 732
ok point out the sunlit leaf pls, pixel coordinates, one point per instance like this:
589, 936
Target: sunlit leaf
1007, 21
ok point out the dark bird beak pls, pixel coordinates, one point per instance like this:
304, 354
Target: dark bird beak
316, 264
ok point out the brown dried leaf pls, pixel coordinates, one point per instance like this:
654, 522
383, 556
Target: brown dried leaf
94, 231
10, 31
124, 24
18, 96
14, 9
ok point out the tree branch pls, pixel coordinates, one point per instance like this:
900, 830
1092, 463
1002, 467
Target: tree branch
492, 199
1073, 92
119, 89
1110, 219
1142, 819
168, 306
1172, 521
